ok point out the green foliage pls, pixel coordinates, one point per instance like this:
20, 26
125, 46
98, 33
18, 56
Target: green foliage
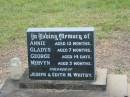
107, 16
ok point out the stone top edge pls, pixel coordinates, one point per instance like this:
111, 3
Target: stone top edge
62, 29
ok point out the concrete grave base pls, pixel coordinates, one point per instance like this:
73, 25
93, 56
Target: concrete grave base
11, 89
116, 86
99, 83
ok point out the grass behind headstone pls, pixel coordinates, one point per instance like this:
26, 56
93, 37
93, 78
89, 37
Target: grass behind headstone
107, 16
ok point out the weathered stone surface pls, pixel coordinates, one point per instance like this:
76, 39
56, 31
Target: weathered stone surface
11, 89
99, 83
117, 85
55, 93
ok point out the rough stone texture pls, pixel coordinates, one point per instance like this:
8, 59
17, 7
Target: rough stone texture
99, 83
117, 85
11, 89
55, 93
